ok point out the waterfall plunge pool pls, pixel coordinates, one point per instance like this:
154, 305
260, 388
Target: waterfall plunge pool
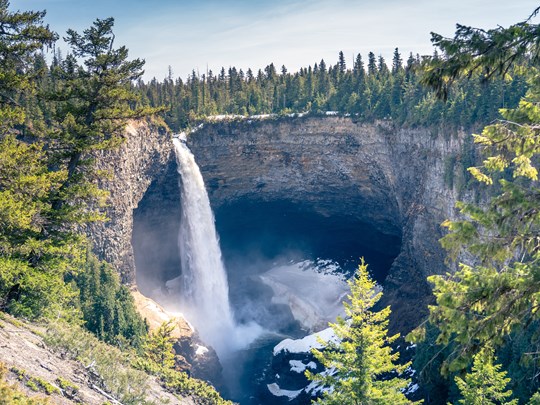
266, 246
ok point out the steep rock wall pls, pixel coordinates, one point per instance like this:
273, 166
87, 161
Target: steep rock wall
392, 178
140, 160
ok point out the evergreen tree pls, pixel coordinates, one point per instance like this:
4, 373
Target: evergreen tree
484, 301
486, 383
372, 64
359, 66
93, 107
361, 367
341, 63
397, 62
32, 263
23, 34
33, 260
107, 306
158, 347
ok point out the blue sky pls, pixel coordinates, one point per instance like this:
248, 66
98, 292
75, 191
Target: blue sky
187, 34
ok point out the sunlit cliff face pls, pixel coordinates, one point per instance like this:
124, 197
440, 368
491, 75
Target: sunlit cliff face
307, 188
277, 198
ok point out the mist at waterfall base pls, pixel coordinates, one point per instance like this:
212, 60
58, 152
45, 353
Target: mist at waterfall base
276, 253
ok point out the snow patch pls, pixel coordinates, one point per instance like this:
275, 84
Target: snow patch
299, 367
224, 117
411, 388
262, 116
307, 343
278, 392
315, 387
409, 372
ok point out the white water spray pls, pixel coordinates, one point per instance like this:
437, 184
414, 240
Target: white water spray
204, 281
205, 289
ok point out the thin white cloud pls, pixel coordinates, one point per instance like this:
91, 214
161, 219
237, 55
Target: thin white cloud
191, 35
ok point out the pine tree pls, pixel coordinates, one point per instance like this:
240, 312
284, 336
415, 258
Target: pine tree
382, 68
486, 300
485, 384
94, 104
361, 367
397, 62
358, 70
158, 347
107, 306
23, 34
341, 63
33, 260
372, 64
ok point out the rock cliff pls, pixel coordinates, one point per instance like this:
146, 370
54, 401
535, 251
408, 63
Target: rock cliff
387, 188
131, 168
394, 181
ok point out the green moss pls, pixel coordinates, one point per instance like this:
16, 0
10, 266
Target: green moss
32, 385
35, 383
12, 395
21, 374
66, 384
5, 317
45, 385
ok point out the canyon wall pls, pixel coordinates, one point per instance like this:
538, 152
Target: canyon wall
141, 159
397, 180
402, 182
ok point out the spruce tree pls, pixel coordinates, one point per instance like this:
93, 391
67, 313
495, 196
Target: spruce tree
497, 292
23, 34
33, 260
485, 384
372, 64
397, 62
93, 103
341, 63
361, 367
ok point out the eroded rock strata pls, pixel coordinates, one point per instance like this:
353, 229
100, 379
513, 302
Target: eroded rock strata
385, 188
395, 181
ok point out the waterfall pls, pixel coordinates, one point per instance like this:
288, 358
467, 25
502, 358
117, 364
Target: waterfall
205, 291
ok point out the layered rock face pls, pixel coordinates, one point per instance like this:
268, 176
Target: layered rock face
140, 160
387, 179
372, 187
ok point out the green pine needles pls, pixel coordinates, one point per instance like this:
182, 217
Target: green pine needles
493, 298
361, 368
485, 384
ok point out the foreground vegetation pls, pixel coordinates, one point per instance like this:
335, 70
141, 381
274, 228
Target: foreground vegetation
52, 121
490, 304
70, 353
480, 343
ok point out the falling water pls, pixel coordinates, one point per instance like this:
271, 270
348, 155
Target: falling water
205, 289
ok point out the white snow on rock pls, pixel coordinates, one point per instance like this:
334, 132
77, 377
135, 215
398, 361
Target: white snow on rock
315, 387
411, 388
278, 392
314, 291
224, 117
332, 112
262, 116
299, 367
307, 343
